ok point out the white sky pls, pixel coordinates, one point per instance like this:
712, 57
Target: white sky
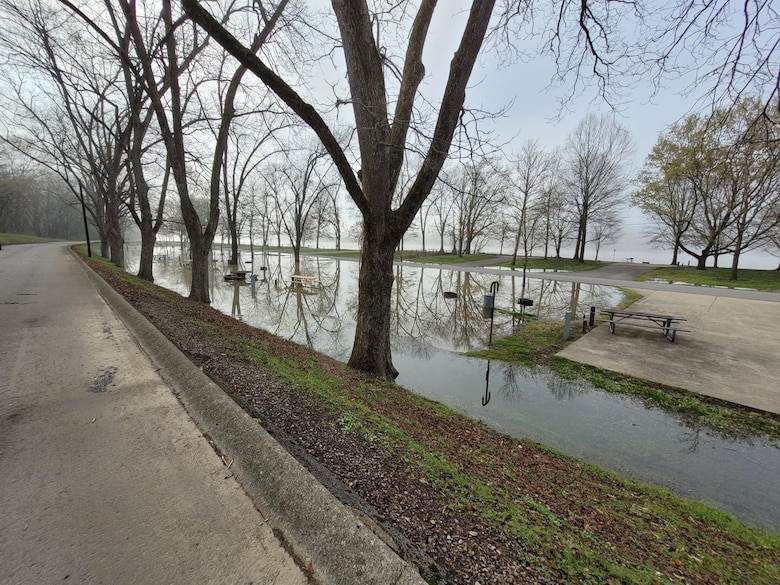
536, 113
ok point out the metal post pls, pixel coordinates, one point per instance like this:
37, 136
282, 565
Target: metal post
488, 303
592, 320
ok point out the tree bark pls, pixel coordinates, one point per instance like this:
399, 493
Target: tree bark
735, 259
675, 254
148, 239
116, 243
371, 351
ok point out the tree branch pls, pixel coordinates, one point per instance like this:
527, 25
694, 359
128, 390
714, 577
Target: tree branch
286, 93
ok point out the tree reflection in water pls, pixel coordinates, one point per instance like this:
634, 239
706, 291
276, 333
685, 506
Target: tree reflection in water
321, 316
510, 389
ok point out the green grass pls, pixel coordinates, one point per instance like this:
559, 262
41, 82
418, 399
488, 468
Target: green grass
553, 541
698, 411
11, 239
337, 253
304, 250
553, 264
435, 258
764, 280
537, 342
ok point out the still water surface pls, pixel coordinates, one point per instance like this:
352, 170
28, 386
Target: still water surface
615, 432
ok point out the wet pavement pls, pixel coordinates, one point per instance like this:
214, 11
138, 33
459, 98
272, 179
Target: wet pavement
103, 476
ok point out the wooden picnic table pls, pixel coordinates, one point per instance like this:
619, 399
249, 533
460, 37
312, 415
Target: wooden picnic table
667, 323
302, 279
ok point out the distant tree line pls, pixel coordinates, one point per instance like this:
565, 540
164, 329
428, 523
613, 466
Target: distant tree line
533, 200
38, 205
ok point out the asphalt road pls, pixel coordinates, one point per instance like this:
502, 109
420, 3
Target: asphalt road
103, 476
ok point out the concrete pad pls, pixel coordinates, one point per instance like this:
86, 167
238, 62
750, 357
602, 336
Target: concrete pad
731, 354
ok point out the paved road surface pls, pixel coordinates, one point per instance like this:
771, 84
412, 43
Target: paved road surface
103, 476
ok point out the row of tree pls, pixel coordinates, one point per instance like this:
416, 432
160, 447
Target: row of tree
535, 199
128, 101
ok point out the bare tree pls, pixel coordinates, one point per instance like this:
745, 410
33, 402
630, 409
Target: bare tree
74, 120
606, 230
301, 182
441, 202
382, 144
554, 208
246, 150
159, 66
597, 153
582, 38
530, 167
478, 189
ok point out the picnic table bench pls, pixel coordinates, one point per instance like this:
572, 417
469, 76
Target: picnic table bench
667, 323
303, 279
237, 275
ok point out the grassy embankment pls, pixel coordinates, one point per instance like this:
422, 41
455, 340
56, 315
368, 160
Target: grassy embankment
11, 239
408, 256
665, 539
764, 280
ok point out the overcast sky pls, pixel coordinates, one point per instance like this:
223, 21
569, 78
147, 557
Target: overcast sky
535, 113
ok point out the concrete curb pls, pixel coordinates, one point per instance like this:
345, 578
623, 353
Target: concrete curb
325, 537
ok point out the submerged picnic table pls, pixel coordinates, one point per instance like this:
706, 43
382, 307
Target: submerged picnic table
667, 323
302, 279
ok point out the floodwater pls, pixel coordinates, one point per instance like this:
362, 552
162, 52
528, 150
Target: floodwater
430, 329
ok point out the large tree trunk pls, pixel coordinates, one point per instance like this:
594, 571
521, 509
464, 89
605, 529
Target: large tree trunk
146, 223
148, 239
382, 145
735, 259
201, 260
516, 248
116, 243
371, 349
233, 243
